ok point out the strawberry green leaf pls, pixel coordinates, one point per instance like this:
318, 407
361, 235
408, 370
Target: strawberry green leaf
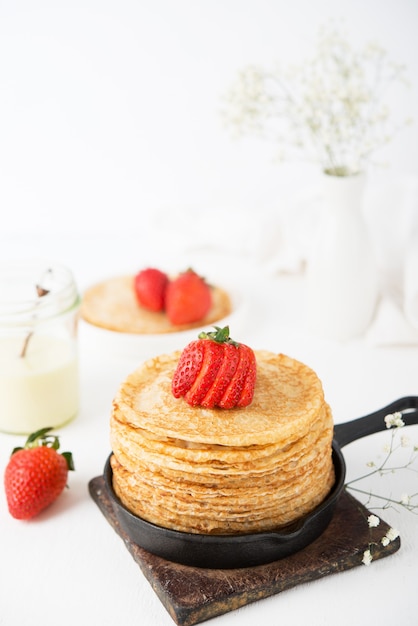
39, 434
220, 335
70, 461
16, 449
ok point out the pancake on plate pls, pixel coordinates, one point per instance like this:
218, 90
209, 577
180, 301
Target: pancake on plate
112, 305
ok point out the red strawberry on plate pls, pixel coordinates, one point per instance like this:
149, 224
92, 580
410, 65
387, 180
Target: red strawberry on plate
215, 371
36, 475
150, 287
188, 298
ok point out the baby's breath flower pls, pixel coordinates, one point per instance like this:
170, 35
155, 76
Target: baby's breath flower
367, 557
405, 499
373, 521
394, 419
330, 104
405, 442
388, 465
390, 536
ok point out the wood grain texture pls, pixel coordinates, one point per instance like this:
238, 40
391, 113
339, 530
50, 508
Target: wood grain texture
192, 595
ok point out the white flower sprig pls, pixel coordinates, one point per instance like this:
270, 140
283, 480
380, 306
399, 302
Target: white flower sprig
395, 423
392, 534
333, 105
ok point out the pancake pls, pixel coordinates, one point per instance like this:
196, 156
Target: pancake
288, 398
180, 455
112, 305
166, 508
219, 471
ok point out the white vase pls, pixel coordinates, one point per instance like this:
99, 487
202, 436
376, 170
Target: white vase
342, 283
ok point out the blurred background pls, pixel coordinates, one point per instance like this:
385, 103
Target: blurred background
110, 125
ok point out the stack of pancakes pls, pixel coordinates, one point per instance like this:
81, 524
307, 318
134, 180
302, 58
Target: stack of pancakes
112, 305
215, 471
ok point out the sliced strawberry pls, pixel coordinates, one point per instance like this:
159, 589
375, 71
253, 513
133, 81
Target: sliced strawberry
188, 368
224, 375
249, 383
215, 371
212, 361
235, 388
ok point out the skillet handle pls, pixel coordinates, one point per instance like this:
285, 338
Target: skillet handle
375, 422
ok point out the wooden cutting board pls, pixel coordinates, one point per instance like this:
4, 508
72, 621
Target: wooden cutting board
192, 595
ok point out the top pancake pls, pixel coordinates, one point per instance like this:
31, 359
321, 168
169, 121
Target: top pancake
112, 304
287, 400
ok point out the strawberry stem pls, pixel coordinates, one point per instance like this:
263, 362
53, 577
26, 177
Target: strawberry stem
220, 335
41, 438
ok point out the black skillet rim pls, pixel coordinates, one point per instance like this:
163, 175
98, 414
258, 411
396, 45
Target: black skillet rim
296, 532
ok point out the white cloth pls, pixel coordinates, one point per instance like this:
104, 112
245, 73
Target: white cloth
410, 283
392, 211
277, 240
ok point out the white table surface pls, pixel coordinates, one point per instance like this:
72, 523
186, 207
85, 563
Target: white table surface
71, 567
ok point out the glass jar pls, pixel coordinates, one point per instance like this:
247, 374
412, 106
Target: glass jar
39, 385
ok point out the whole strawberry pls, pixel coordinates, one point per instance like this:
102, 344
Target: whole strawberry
150, 287
188, 298
36, 475
215, 371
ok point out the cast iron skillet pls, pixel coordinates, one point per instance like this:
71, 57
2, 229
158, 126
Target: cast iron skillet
231, 551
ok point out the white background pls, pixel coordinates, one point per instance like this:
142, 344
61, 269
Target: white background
110, 111
112, 156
